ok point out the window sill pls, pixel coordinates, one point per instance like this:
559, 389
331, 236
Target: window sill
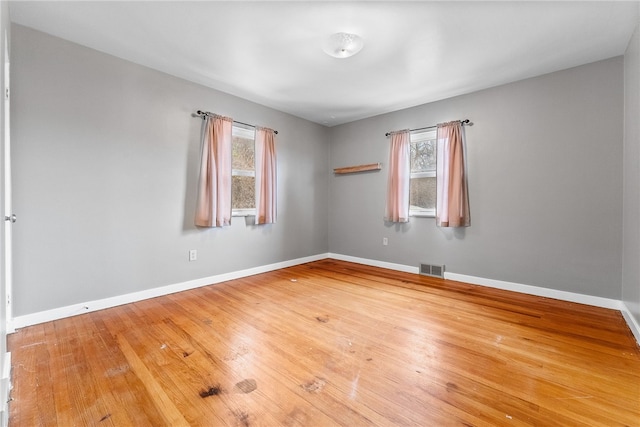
424, 214
243, 212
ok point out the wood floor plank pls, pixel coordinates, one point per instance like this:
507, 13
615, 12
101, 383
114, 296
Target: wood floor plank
164, 371
244, 365
109, 362
288, 350
298, 305
331, 343
195, 363
35, 382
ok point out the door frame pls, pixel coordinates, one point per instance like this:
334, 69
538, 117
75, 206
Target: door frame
6, 275
8, 208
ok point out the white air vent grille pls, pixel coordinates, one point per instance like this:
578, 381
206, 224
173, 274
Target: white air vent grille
432, 270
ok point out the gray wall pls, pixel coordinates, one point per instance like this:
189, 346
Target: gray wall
105, 158
631, 210
545, 179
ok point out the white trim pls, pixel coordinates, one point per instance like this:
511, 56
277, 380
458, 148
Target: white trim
631, 321
499, 284
72, 310
422, 213
423, 135
87, 307
243, 212
243, 172
7, 251
6, 367
516, 287
5, 382
243, 131
536, 290
375, 263
423, 174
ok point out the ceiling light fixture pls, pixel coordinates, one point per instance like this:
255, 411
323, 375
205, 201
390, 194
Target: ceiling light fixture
343, 45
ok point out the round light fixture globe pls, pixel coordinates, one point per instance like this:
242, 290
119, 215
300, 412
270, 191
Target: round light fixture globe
343, 45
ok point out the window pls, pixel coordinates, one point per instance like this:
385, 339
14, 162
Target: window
243, 171
422, 187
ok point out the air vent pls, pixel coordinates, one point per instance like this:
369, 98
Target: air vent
432, 270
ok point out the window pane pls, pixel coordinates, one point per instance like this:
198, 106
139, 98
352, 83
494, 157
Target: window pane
243, 168
242, 154
243, 192
423, 156
423, 193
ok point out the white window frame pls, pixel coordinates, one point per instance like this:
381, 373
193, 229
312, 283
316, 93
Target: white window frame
247, 133
425, 135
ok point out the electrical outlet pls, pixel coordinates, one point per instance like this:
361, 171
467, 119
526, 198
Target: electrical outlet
385, 241
193, 255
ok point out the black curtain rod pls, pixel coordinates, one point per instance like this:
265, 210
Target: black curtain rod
463, 122
204, 114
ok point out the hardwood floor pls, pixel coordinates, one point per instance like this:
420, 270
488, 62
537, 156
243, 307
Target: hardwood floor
330, 343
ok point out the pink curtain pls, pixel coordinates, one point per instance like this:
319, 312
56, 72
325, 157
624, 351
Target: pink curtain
397, 209
213, 207
452, 198
265, 176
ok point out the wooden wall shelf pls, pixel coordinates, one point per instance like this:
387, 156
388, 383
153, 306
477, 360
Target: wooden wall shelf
360, 168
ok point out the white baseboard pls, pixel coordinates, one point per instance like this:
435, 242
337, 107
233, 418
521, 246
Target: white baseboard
516, 287
375, 263
87, 307
499, 284
75, 309
631, 321
536, 290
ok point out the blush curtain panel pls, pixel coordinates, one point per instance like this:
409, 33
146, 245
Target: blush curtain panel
213, 206
397, 208
452, 198
266, 188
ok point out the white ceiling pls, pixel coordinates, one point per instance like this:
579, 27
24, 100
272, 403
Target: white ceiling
414, 53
